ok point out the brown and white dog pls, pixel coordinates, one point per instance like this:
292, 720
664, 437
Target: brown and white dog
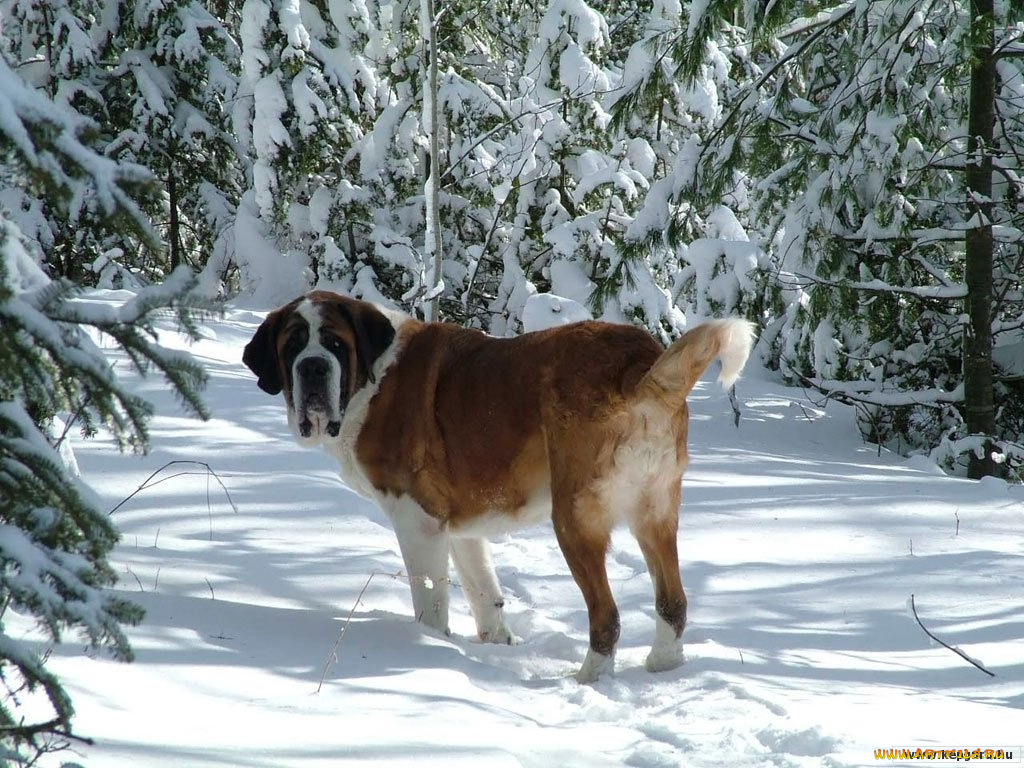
458, 435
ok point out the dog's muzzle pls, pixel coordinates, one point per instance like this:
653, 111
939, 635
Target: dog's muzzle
318, 396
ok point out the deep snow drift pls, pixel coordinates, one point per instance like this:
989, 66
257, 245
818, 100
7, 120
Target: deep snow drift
800, 549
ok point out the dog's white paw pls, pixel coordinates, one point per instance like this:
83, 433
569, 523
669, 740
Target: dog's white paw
667, 650
499, 635
665, 658
595, 665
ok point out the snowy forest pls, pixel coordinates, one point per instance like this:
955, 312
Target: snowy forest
848, 174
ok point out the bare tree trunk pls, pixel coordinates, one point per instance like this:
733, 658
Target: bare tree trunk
432, 244
979, 406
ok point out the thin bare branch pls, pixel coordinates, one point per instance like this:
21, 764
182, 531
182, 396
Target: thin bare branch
957, 651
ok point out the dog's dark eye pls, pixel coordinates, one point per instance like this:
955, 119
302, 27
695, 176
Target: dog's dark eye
333, 343
296, 342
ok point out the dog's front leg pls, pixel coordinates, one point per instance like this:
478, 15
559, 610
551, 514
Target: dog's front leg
424, 544
473, 563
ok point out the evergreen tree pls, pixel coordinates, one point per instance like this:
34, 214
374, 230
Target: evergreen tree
855, 137
699, 246
59, 46
309, 95
54, 538
167, 105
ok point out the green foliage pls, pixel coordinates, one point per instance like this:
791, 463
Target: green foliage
54, 538
846, 129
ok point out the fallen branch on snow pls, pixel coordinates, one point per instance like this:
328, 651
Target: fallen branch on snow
957, 651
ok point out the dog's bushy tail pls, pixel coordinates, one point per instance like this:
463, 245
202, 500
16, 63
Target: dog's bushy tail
674, 373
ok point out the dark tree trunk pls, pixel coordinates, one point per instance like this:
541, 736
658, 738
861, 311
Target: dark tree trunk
979, 408
173, 224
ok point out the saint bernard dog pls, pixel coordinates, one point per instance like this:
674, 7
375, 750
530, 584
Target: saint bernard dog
458, 435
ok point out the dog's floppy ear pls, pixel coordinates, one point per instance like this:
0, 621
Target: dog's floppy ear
374, 333
261, 354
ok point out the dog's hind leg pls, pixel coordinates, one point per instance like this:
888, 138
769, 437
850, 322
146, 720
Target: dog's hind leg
655, 526
583, 529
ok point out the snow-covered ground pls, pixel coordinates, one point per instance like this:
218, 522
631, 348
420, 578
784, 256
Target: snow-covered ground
801, 548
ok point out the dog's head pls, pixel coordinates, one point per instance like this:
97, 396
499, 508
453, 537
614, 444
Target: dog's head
318, 350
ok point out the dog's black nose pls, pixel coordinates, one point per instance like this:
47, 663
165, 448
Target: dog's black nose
314, 368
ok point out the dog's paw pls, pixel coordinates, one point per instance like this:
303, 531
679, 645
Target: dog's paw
500, 635
595, 665
664, 658
436, 621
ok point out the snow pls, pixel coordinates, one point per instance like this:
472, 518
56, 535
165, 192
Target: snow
291, 24
309, 106
275, 277
548, 310
589, 26
21, 271
695, 13
269, 133
255, 18
800, 548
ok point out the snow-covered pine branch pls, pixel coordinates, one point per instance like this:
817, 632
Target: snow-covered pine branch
54, 537
48, 140
873, 393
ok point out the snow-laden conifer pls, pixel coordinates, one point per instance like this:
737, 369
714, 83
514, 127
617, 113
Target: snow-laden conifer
852, 136
168, 96
54, 537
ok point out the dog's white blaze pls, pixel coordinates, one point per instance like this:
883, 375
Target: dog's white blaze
311, 314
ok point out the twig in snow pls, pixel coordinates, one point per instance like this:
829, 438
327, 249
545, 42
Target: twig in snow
212, 596
137, 579
735, 406
956, 514
344, 627
806, 414
957, 651
149, 482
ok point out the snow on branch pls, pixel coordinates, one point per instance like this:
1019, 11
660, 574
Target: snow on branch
808, 23
954, 649
871, 393
1012, 47
948, 291
53, 320
48, 139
